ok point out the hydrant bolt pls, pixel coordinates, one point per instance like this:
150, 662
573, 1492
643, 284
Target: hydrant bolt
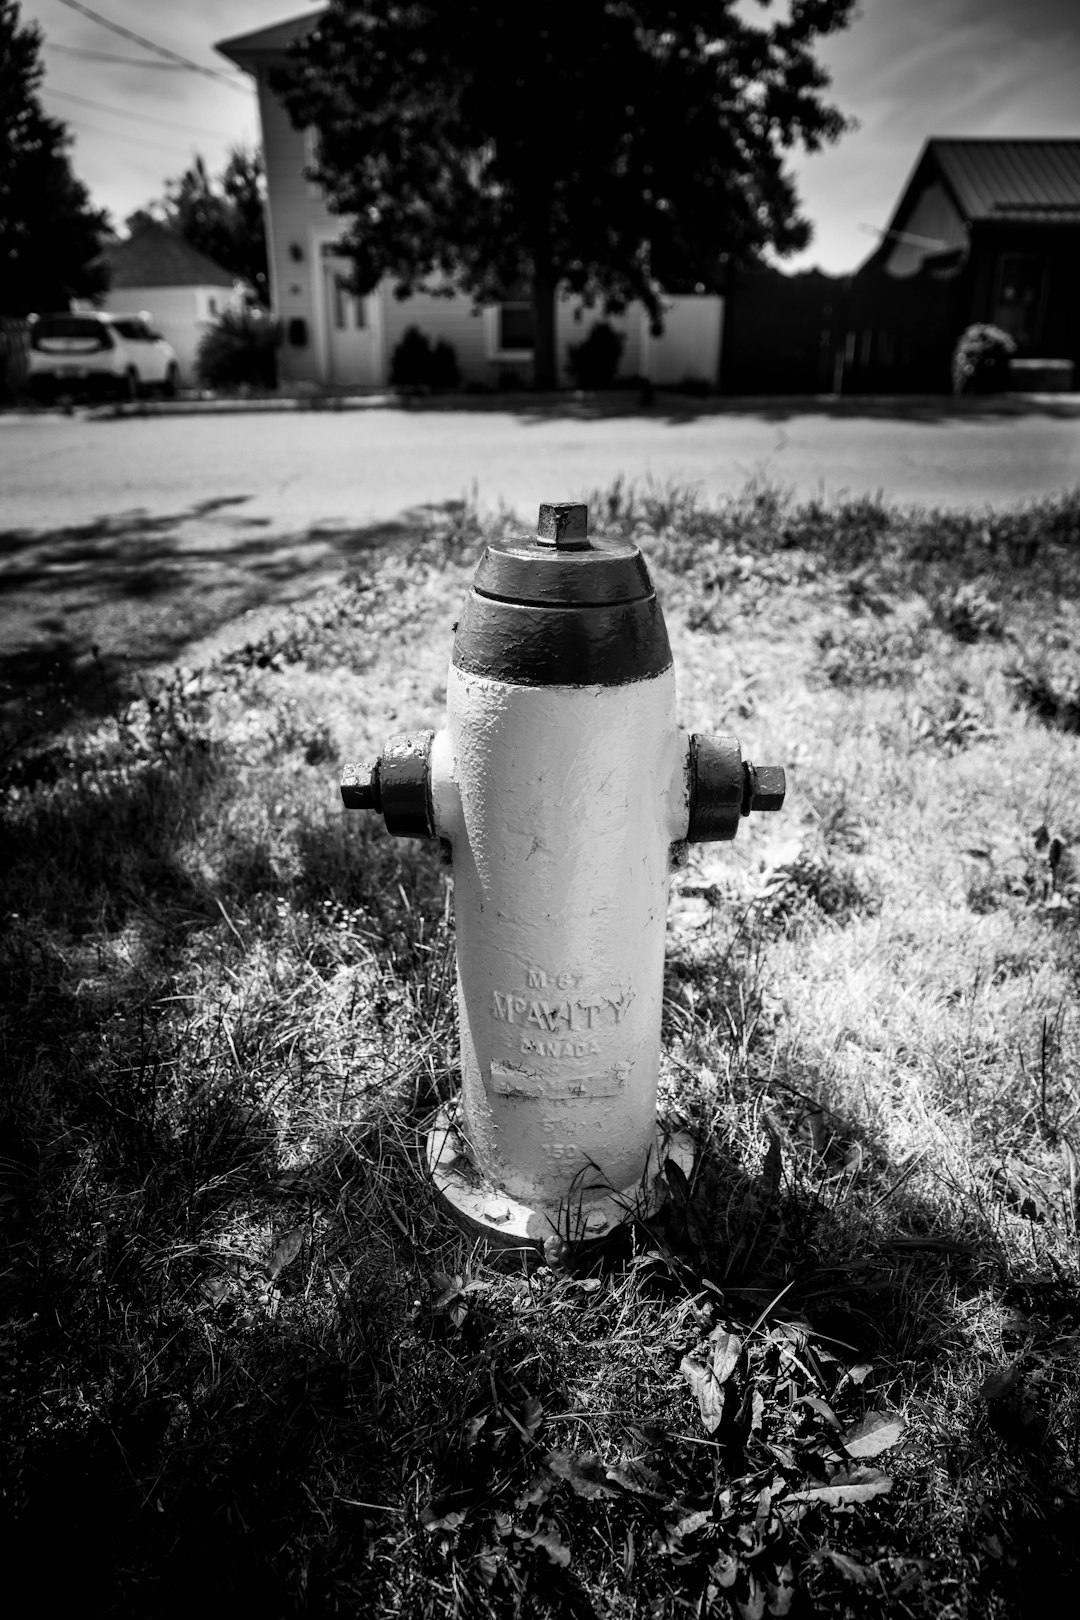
765, 788
360, 787
564, 525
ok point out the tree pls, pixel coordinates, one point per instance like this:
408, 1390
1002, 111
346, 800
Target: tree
50, 236
620, 147
224, 217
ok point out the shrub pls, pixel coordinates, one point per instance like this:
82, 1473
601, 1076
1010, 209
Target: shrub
240, 350
417, 363
594, 361
980, 362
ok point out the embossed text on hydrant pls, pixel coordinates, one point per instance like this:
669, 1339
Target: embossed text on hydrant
572, 1016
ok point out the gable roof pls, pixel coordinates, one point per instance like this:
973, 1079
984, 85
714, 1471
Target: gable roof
155, 256
246, 49
1032, 181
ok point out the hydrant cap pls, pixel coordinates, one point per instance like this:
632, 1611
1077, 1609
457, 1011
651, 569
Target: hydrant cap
562, 610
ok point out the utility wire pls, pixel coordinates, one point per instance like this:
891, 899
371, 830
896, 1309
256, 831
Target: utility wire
103, 56
119, 135
146, 118
150, 45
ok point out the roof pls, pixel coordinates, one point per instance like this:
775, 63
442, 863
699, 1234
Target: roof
245, 49
155, 256
1020, 180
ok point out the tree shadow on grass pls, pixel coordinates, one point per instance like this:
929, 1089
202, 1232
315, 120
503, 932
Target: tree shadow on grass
86, 612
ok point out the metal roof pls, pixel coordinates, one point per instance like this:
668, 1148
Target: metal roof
1020, 180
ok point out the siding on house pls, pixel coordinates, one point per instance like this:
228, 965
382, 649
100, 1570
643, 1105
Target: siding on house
296, 217
321, 347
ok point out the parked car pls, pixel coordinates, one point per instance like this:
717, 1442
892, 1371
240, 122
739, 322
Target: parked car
120, 356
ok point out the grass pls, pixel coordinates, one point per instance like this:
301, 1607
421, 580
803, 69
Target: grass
245, 1363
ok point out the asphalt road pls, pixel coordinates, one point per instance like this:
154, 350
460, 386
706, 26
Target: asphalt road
132, 543
356, 467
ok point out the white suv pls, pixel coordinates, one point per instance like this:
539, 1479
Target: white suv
97, 353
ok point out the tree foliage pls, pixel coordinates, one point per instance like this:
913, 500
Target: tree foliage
619, 147
223, 216
50, 236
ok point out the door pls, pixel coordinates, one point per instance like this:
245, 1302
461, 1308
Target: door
1021, 297
353, 346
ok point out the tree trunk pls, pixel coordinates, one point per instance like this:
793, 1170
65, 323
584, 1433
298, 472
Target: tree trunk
545, 371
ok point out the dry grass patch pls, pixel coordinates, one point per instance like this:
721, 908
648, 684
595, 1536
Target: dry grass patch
247, 1358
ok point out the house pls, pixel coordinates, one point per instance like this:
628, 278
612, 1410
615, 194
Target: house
155, 271
984, 231
334, 339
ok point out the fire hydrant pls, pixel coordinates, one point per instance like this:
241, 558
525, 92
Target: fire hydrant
566, 794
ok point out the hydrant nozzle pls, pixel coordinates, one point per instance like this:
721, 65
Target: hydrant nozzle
565, 793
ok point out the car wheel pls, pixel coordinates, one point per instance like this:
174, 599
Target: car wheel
171, 384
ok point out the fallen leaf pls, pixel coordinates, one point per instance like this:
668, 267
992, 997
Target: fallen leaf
877, 1432
710, 1394
548, 1541
752, 1606
822, 1408
781, 1590
437, 1516
532, 1415
726, 1350
724, 1570
999, 1382
633, 1476
845, 1490
286, 1251
859, 1573
583, 1472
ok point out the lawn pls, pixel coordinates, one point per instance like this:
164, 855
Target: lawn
247, 1365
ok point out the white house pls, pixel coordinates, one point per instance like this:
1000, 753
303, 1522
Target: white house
332, 338
154, 271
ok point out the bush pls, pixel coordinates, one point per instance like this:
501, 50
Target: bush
240, 350
417, 363
594, 361
980, 362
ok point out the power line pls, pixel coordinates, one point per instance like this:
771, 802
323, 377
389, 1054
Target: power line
119, 135
146, 118
150, 45
103, 56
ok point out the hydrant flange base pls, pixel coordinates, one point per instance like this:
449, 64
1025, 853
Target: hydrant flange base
489, 1213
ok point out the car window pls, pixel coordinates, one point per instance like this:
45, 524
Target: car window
134, 331
67, 326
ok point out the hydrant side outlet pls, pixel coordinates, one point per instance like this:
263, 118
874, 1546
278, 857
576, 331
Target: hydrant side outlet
560, 784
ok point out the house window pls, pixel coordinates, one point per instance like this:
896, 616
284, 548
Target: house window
349, 312
516, 330
1021, 295
211, 305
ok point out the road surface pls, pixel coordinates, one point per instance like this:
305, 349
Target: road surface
302, 467
153, 538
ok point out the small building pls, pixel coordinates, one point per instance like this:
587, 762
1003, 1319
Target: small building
984, 231
334, 339
154, 270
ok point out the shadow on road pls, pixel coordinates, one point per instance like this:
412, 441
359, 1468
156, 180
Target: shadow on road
87, 611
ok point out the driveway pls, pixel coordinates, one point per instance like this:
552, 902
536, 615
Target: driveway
146, 535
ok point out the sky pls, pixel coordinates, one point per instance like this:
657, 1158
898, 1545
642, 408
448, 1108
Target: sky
905, 70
